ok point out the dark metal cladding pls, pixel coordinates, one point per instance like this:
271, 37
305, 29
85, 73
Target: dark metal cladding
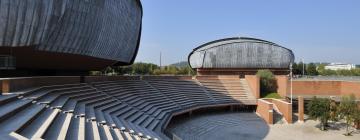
104, 29
241, 53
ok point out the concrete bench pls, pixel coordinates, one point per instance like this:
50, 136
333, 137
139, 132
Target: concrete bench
21, 118
141, 119
37, 128
11, 108
147, 122
154, 124
76, 129
62, 101
116, 108
7, 98
60, 127
92, 133
44, 91
123, 111
51, 97
128, 114
107, 132
135, 116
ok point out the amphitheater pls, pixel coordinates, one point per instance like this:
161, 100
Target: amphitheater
126, 108
48, 48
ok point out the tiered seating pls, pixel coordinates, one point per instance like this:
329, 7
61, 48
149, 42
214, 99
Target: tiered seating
144, 109
185, 92
123, 109
60, 112
227, 89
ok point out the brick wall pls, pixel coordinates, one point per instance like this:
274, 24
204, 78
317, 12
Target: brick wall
334, 88
317, 87
282, 82
285, 108
348, 88
265, 110
254, 84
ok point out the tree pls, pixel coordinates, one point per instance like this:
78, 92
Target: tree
300, 67
328, 72
357, 118
311, 69
321, 69
319, 109
333, 110
347, 111
268, 82
297, 69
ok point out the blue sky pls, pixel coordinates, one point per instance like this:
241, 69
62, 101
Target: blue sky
316, 30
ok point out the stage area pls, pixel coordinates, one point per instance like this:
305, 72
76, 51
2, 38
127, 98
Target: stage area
235, 126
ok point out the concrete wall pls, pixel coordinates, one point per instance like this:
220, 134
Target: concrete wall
285, 109
265, 110
254, 84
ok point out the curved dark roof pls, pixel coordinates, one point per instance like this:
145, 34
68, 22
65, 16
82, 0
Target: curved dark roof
103, 30
236, 53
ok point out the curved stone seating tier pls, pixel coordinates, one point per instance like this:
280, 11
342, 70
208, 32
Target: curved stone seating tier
123, 109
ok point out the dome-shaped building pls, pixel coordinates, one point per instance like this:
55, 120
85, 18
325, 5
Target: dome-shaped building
240, 56
69, 34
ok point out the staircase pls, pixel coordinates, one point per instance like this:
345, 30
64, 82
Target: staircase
227, 89
278, 118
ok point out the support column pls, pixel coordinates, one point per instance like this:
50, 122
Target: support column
301, 109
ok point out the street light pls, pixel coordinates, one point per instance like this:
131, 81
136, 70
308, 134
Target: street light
291, 83
303, 68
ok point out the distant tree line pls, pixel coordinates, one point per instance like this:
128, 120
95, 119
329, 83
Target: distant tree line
314, 69
141, 68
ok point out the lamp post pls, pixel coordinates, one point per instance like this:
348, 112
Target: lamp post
303, 67
291, 83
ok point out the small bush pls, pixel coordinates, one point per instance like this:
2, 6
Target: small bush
273, 95
348, 111
319, 109
268, 82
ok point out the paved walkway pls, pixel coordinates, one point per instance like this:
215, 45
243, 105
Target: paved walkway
308, 131
248, 126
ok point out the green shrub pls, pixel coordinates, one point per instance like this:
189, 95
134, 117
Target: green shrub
319, 109
273, 95
268, 82
348, 111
